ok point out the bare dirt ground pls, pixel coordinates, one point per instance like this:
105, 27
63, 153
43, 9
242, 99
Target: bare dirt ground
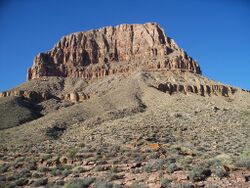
129, 134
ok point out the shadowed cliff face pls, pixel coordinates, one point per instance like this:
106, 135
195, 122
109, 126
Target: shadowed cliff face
112, 50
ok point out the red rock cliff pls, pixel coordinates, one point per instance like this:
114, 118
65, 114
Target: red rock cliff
111, 50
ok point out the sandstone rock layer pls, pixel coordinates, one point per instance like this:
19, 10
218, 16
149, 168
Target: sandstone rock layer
197, 89
122, 49
111, 50
38, 97
33, 96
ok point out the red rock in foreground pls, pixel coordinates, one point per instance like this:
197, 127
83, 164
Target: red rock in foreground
112, 50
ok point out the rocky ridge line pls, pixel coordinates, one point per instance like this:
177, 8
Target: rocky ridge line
112, 50
197, 89
38, 97
203, 90
33, 96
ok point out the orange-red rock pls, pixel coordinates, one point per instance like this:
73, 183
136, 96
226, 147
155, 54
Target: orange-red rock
112, 50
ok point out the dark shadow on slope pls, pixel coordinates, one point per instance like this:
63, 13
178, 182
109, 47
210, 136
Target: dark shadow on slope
56, 130
16, 111
117, 114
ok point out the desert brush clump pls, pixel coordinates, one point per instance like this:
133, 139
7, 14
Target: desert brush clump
243, 160
165, 183
80, 183
199, 173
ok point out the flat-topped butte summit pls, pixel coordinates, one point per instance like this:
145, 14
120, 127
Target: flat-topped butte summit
110, 50
122, 49
122, 107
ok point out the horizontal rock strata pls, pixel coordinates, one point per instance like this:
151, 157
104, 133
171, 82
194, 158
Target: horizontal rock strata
77, 96
111, 50
37, 97
202, 90
30, 95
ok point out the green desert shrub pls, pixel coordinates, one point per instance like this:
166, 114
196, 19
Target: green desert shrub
101, 183
56, 172
165, 183
148, 168
31, 165
244, 160
79, 169
115, 169
101, 168
245, 155
40, 182
154, 165
244, 163
185, 161
4, 168
25, 173
220, 171
36, 175
68, 167
79, 183
218, 168
21, 182
224, 159
172, 167
113, 176
45, 156
199, 173
66, 172
72, 152
140, 158
154, 155
43, 169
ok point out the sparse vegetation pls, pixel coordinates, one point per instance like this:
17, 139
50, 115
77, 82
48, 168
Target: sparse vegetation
173, 137
244, 160
165, 183
80, 183
138, 185
245, 163
72, 152
4, 168
199, 173
40, 182
172, 167
101, 183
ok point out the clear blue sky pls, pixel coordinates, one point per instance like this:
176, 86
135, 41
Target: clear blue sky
214, 32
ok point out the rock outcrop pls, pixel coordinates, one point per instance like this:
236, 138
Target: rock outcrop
33, 96
203, 90
38, 97
112, 50
76, 96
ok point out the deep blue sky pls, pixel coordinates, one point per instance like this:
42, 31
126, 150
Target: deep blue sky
214, 32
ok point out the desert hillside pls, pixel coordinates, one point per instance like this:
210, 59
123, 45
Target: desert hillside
123, 106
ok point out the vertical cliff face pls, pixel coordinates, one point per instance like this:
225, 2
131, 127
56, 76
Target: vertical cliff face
111, 50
